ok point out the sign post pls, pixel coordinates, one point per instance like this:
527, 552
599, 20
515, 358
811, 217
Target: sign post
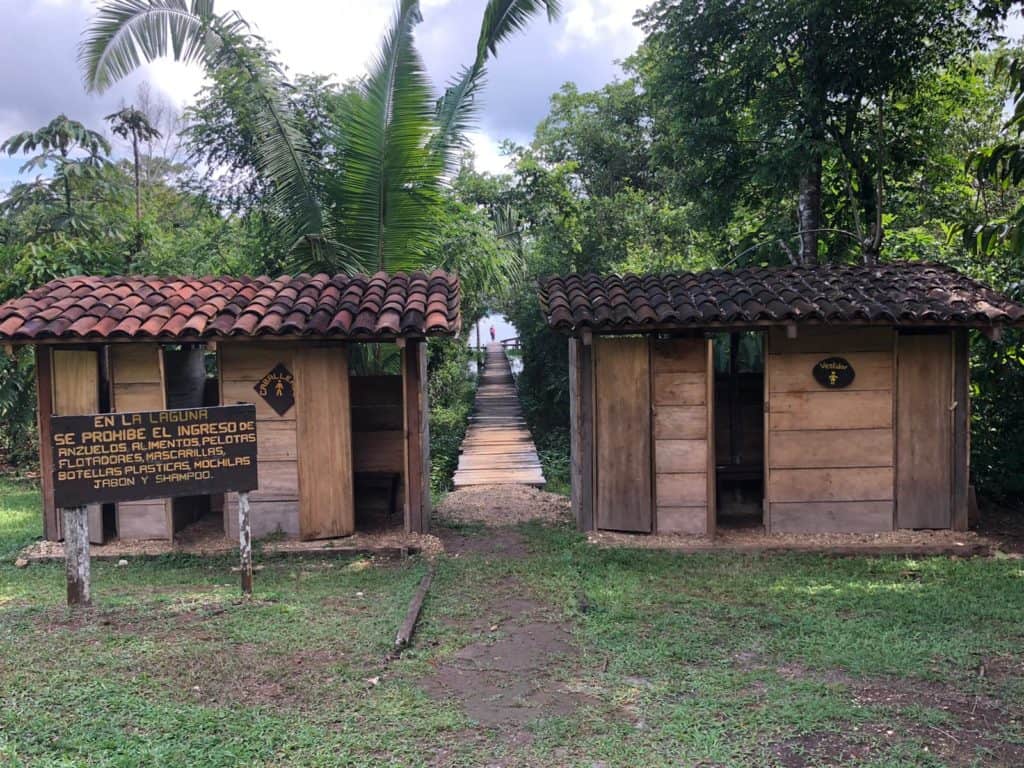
76, 555
245, 542
112, 457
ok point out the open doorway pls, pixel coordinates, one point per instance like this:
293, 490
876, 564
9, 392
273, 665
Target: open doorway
190, 381
739, 429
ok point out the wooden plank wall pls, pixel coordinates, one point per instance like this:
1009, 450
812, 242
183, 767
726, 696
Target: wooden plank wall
575, 431
377, 424
830, 453
137, 384
324, 426
622, 426
581, 421
682, 451
961, 427
924, 431
275, 506
76, 391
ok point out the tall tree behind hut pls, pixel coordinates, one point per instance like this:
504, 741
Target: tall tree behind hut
790, 101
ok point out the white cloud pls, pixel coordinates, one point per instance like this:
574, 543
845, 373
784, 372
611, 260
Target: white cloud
591, 22
488, 153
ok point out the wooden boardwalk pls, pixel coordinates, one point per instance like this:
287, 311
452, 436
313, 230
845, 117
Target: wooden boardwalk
498, 448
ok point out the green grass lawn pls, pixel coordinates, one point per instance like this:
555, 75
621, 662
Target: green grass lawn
676, 661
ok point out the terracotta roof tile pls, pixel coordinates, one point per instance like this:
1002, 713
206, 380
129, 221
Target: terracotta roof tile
887, 293
94, 308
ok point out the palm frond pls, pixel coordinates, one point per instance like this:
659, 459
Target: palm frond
455, 116
388, 192
283, 157
457, 108
126, 33
503, 18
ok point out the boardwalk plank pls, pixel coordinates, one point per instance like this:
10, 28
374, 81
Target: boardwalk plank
498, 448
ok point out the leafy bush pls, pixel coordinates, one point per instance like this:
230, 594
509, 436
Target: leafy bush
19, 441
450, 388
997, 413
554, 453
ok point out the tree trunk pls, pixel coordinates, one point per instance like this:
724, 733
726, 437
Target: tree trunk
137, 246
67, 181
809, 210
138, 198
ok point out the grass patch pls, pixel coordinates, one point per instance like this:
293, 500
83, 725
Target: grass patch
681, 660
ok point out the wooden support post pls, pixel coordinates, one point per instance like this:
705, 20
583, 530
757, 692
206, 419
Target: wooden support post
44, 410
961, 415
417, 437
245, 543
76, 555
585, 520
575, 422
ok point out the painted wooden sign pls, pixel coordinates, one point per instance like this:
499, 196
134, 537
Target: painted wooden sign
278, 389
153, 454
834, 372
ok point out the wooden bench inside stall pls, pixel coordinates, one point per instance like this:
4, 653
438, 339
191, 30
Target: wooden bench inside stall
378, 447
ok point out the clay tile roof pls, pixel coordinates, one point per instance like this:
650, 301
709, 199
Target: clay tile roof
380, 306
903, 293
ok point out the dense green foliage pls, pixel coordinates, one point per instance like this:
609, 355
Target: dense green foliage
450, 389
795, 111
92, 215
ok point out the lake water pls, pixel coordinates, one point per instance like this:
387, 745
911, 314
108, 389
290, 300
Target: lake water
503, 330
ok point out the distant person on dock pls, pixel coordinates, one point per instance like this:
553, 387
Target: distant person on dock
492, 333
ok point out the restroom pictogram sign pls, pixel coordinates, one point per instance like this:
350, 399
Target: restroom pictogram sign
277, 388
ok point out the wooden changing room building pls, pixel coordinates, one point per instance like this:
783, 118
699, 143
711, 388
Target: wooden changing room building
797, 399
336, 368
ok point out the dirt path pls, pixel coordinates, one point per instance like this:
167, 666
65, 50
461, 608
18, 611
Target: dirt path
512, 673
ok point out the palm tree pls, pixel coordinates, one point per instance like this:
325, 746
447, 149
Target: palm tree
58, 142
399, 143
132, 124
126, 33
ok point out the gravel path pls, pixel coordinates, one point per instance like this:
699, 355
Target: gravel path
503, 505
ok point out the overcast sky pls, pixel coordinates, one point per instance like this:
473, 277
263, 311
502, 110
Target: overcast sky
39, 39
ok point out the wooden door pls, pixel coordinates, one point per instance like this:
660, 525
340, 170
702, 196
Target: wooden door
137, 384
324, 424
76, 392
622, 398
924, 431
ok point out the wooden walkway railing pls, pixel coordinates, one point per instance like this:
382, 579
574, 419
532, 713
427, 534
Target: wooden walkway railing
498, 448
